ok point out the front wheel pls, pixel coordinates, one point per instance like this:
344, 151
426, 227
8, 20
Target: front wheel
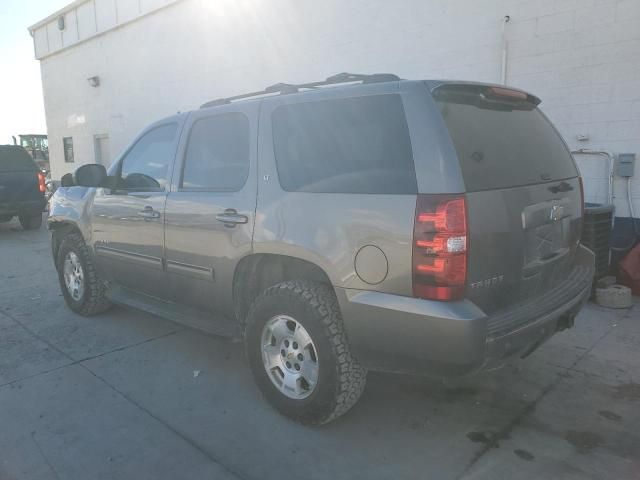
82, 288
299, 355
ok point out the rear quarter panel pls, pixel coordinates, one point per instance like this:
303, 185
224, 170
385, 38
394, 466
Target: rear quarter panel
329, 229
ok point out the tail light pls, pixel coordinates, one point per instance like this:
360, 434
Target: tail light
507, 93
581, 196
41, 183
440, 247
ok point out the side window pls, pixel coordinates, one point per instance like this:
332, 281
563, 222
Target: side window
67, 144
145, 168
352, 145
217, 155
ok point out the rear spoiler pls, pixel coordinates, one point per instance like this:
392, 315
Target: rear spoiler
487, 89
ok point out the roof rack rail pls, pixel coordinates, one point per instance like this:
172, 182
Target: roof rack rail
345, 77
288, 88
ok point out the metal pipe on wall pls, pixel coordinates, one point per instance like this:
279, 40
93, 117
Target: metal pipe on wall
607, 155
503, 70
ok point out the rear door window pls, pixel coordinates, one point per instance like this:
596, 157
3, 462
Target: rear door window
502, 144
16, 159
353, 145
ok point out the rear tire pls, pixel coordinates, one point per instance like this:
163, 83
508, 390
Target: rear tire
30, 222
83, 290
339, 378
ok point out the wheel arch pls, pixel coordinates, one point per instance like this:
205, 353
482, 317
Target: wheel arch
59, 229
257, 272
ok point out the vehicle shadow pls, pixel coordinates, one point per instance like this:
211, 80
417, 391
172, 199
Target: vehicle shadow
13, 226
201, 386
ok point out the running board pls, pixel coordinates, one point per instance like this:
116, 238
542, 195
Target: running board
182, 314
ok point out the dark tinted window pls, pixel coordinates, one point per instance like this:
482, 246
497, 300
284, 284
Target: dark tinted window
217, 157
145, 168
67, 144
503, 144
354, 145
15, 159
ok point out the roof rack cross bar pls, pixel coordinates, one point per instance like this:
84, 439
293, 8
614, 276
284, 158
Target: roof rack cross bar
283, 88
345, 77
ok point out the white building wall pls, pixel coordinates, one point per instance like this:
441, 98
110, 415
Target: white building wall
582, 57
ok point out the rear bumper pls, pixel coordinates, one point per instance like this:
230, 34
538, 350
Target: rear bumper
26, 207
444, 339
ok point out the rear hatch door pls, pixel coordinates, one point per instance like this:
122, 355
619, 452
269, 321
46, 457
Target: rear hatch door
18, 176
523, 193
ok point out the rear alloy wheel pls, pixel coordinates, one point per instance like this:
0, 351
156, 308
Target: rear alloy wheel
289, 357
299, 354
30, 222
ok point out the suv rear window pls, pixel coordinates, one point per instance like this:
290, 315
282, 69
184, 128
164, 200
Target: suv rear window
502, 143
16, 159
352, 145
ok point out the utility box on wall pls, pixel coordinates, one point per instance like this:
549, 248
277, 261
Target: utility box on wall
626, 164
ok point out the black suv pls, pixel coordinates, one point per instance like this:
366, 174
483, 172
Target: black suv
22, 187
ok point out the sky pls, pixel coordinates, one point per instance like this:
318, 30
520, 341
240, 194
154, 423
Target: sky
21, 104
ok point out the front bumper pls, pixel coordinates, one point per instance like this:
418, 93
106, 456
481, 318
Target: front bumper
443, 339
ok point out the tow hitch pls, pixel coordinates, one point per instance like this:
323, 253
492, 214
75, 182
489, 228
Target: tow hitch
565, 322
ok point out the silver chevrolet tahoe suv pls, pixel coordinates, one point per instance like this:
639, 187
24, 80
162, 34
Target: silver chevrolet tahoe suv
362, 222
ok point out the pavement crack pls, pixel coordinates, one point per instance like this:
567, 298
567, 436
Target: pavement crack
44, 457
76, 362
39, 337
73, 361
80, 362
213, 458
132, 345
29, 377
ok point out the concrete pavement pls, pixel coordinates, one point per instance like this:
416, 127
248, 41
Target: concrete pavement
115, 396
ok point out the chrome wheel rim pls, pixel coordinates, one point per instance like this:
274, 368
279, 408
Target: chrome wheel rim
73, 276
289, 357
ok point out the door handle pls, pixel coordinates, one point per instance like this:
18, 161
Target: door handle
561, 187
231, 217
148, 213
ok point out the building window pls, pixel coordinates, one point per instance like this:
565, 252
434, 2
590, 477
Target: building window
67, 143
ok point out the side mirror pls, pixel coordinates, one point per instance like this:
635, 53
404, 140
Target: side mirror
67, 180
91, 175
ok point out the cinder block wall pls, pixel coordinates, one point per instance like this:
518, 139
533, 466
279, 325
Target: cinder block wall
582, 57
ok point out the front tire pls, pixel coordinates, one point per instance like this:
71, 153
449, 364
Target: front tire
30, 222
299, 354
83, 290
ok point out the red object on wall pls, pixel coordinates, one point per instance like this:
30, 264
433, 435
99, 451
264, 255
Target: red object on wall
630, 270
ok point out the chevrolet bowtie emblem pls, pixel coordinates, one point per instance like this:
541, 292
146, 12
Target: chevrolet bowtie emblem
556, 213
